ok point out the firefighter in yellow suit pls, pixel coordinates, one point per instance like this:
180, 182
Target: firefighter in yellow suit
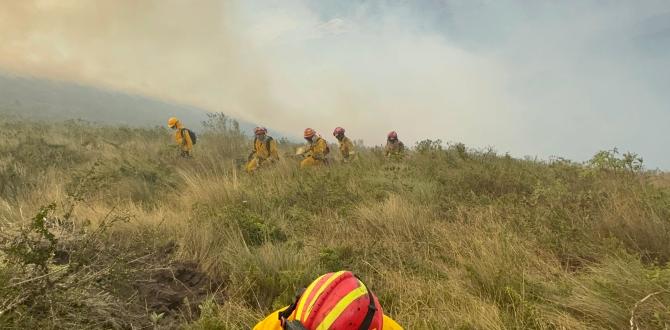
347, 151
336, 300
316, 150
265, 150
394, 149
182, 137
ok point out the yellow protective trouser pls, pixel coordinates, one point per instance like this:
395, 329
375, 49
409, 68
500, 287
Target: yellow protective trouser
255, 163
252, 165
310, 161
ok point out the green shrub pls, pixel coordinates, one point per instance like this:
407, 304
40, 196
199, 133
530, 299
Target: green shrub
336, 259
255, 229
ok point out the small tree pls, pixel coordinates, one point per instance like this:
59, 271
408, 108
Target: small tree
219, 122
428, 145
609, 160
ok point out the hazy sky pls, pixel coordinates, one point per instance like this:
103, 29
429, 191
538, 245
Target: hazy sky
564, 78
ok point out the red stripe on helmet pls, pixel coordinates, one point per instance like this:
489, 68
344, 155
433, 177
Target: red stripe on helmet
330, 297
307, 300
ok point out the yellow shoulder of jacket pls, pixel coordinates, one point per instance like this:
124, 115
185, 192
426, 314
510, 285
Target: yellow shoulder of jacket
271, 322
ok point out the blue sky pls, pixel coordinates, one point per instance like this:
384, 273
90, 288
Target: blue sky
538, 78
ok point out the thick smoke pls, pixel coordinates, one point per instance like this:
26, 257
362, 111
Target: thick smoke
177, 50
539, 78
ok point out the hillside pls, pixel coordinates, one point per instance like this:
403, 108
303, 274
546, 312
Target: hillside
107, 228
45, 99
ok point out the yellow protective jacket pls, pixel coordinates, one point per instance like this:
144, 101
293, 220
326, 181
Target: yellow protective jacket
264, 150
346, 148
315, 153
271, 322
394, 148
183, 139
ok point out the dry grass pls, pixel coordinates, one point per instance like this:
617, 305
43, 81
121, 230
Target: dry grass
447, 239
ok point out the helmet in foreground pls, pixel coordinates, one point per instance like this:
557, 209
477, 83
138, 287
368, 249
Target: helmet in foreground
335, 301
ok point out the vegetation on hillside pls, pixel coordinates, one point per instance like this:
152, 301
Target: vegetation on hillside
105, 227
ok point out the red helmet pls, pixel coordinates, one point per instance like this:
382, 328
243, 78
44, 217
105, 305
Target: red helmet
309, 132
336, 301
338, 131
392, 135
260, 130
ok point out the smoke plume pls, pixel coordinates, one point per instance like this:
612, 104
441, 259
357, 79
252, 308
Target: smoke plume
538, 78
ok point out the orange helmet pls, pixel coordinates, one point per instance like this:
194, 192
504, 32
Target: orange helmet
335, 301
309, 132
260, 130
172, 122
338, 131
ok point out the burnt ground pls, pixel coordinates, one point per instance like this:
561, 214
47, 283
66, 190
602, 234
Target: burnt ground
173, 292
97, 284
178, 288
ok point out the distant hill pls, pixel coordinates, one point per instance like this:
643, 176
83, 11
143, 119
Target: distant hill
45, 99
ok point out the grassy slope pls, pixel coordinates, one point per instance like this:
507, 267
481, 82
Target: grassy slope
447, 239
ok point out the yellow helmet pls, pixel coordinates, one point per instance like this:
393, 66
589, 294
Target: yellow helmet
172, 122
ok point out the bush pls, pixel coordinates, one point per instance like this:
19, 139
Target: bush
609, 160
